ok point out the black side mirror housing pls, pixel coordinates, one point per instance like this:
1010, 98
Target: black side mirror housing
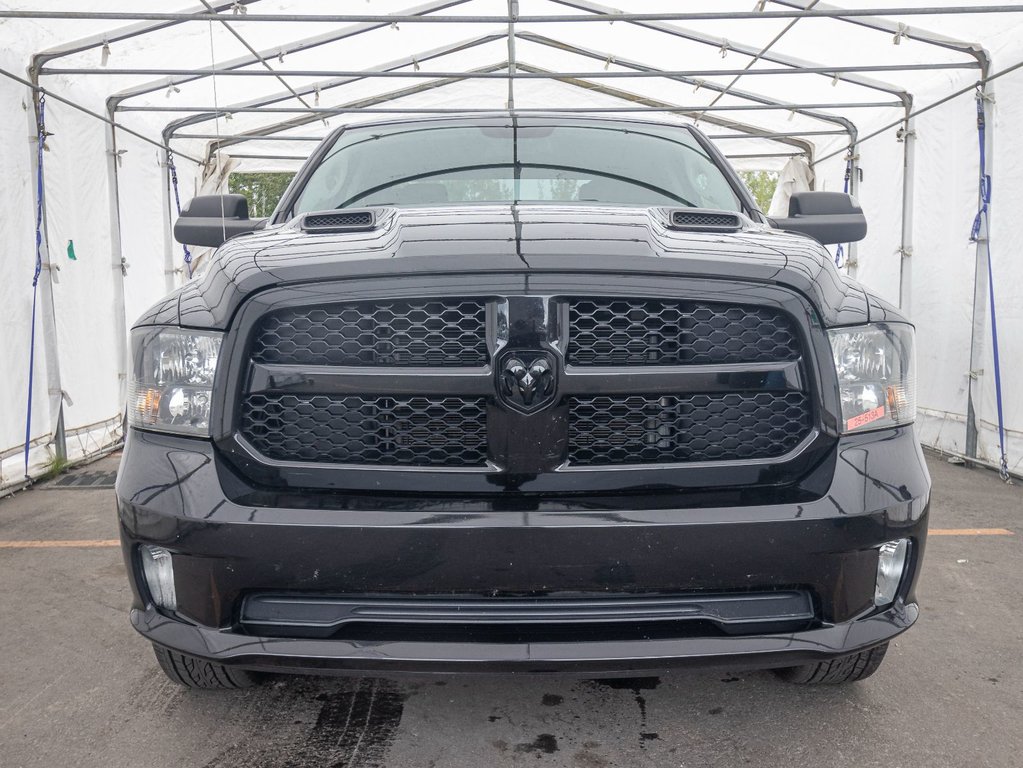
211, 220
827, 217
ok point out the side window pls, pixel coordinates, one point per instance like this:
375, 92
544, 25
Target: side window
263, 190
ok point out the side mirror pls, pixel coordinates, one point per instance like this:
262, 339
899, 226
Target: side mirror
213, 219
827, 217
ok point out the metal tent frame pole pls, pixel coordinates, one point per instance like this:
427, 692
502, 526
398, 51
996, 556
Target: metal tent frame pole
908, 189
645, 103
688, 79
119, 265
978, 349
513, 12
298, 46
323, 86
168, 217
259, 103
638, 102
47, 308
605, 17
894, 28
786, 61
193, 74
782, 107
126, 33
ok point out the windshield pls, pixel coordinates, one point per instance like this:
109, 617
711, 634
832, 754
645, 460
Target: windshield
530, 161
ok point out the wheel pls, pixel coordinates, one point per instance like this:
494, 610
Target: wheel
844, 669
198, 673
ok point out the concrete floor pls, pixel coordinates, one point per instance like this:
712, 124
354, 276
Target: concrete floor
79, 687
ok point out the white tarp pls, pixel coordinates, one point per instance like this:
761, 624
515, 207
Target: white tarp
80, 347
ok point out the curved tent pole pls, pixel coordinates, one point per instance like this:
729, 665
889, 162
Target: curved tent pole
127, 33
746, 50
322, 86
878, 24
661, 106
848, 125
297, 46
806, 147
318, 115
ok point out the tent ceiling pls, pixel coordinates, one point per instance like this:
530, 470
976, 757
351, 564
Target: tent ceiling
764, 73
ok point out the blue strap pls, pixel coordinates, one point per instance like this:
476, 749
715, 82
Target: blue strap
40, 144
985, 178
177, 204
840, 250
982, 222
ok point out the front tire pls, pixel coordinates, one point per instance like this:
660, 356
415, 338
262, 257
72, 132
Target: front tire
844, 669
201, 674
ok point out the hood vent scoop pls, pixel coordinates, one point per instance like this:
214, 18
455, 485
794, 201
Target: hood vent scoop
699, 220
357, 220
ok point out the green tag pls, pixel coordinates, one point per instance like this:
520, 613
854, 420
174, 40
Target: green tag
71, 250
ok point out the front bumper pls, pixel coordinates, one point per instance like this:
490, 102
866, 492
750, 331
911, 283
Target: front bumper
174, 493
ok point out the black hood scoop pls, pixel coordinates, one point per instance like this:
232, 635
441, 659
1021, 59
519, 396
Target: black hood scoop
703, 220
352, 220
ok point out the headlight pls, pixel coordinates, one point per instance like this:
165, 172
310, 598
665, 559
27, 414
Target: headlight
876, 375
172, 379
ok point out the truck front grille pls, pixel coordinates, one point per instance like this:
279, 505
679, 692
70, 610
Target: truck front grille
414, 431
626, 331
437, 383
681, 429
427, 333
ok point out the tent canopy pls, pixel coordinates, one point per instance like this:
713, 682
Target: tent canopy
142, 103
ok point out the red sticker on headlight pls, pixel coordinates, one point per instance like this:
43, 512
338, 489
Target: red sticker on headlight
865, 418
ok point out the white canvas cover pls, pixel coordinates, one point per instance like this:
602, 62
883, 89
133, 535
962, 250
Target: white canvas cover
827, 87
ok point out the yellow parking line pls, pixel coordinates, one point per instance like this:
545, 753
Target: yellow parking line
970, 532
42, 544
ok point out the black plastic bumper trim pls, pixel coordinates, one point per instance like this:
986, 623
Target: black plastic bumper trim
322, 616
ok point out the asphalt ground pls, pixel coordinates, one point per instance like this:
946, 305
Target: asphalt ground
79, 688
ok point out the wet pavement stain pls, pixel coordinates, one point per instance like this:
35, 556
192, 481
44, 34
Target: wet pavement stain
356, 724
545, 742
634, 684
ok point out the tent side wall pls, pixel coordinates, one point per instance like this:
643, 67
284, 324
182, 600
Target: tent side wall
17, 259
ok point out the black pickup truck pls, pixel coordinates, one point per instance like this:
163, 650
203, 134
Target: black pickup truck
521, 393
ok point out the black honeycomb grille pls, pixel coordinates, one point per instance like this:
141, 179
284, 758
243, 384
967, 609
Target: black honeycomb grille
701, 220
339, 221
428, 333
414, 431
679, 429
625, 331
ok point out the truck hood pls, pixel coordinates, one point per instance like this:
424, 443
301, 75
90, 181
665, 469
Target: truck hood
521, 239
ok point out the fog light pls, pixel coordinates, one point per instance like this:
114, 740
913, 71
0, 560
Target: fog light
891, 560
158, 568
